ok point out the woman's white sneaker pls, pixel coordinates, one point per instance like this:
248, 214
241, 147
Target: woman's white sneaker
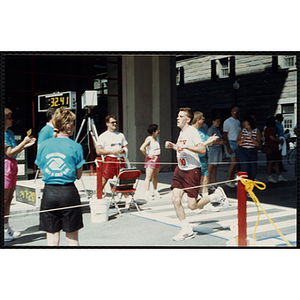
281, 179
271, 179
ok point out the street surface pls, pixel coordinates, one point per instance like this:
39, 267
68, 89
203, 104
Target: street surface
157, 223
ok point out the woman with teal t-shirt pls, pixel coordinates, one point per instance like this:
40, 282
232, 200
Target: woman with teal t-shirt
61, 161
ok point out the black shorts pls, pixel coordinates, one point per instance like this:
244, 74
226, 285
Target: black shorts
56, 196
274, 156
187, 179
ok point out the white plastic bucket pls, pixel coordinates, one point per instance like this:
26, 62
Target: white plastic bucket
99, 210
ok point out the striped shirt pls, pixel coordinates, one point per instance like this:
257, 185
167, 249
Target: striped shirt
248, 143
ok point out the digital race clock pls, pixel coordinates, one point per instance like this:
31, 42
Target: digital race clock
57, 99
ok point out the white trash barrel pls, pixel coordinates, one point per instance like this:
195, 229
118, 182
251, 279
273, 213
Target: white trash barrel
99, 210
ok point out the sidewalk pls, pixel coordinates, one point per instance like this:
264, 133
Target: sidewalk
138, 230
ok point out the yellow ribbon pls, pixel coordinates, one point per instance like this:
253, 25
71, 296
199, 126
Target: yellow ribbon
249, 185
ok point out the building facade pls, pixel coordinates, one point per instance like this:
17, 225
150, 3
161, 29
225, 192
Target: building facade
265, 84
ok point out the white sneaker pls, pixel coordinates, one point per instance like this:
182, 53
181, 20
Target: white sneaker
230, 184
13, 233
7, 236
282, 179
210, 207
157, 195
184, 235
271, 179
222, 198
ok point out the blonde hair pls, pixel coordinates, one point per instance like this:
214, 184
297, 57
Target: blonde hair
7, 112
62, 119
197, 116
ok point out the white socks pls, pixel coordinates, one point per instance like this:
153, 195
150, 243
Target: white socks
185, 224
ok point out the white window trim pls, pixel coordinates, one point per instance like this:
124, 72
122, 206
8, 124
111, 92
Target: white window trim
219, 72
287, 101
281, 63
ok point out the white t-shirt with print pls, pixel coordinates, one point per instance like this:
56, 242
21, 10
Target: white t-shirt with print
111, 141
188, 160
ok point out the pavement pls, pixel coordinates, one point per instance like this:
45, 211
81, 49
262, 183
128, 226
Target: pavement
157, 223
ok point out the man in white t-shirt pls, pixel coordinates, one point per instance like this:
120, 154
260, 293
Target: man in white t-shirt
231, 129
188, 173
112, 145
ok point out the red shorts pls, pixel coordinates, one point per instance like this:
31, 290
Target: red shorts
11, 173
153, 163
186, 179
112, 166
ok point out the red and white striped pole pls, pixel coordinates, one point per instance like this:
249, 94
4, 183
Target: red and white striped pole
242, 211
99, 177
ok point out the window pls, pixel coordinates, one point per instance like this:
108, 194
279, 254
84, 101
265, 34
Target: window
288, 123
287, 108
223, 68
289, 116
287, 61
101, 85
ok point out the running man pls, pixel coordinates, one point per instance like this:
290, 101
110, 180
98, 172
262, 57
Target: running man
187, 173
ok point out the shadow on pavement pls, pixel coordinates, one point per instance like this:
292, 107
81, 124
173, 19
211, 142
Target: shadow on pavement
27, 237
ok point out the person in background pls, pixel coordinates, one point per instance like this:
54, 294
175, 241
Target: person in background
151, 149
231, 129
47, 131
252, 114
287, 137
11, 151
113, 146
248, 140
280, 134
272, 142
204, 126
215, 155
197, 123
61, 161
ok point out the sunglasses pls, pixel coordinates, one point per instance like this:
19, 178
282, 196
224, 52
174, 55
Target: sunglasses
114, 122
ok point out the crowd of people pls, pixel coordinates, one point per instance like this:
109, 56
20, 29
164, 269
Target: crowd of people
199, 151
